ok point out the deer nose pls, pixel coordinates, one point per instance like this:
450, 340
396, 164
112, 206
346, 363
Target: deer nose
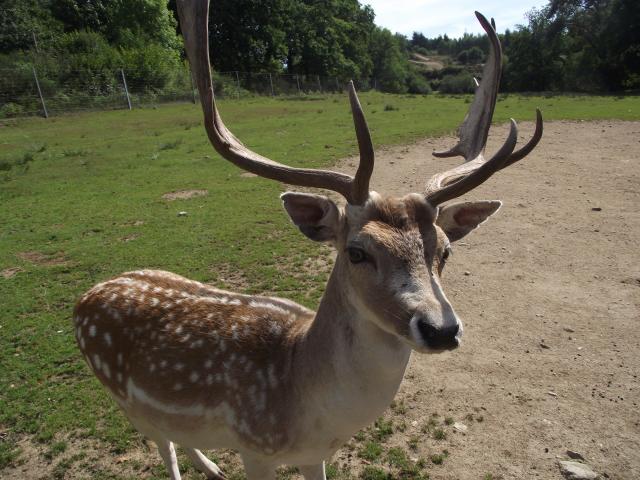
439, 336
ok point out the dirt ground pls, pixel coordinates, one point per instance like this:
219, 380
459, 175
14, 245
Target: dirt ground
549, 292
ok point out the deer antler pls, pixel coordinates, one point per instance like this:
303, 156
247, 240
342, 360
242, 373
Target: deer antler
473, 133
194, 15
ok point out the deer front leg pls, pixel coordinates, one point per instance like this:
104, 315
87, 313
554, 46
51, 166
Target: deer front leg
168, 454
313, 472
203, 464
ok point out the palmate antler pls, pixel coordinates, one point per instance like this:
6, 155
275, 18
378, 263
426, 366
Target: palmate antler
473, 133
194, 15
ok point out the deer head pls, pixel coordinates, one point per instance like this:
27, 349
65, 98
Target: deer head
390, 251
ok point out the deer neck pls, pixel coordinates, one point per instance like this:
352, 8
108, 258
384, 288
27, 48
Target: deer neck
350, 368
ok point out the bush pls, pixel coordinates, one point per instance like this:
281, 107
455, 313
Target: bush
471, 56
460, 83
9, 110
416, 83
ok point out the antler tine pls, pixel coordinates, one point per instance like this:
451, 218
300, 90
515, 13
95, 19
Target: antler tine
474, 130
194, 15
531, 144
360, 188
481, 171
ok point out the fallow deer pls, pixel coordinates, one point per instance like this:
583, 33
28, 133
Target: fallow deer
204, 368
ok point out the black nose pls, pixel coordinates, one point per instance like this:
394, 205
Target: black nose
440, 337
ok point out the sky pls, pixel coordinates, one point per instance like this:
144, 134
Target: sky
453, 17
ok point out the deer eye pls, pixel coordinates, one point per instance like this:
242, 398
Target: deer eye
356, 255
446, 254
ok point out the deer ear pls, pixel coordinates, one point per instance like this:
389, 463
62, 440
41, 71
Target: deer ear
315, 215
458, 219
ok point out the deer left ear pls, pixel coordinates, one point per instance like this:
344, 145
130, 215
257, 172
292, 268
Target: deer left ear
459, 219
315, 215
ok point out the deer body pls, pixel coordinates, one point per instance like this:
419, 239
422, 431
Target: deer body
206, 368
209, 369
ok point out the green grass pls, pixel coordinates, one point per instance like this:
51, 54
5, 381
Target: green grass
370, 451
84, 193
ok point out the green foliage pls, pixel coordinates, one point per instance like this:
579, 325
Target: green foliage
81, 47
471, 56
10, 109
417, 83
568, 45
459, 83
390, 67
370, 451
374, 473
23, 20
443, 45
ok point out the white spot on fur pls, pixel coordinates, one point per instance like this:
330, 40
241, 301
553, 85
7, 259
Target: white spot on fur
93, 330
106, 370
107, 339
97, 362
268, 306
275, 328
194, 377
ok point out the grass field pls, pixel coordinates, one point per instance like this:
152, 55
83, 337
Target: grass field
82, 200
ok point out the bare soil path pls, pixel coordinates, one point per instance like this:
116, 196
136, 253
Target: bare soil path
549, 291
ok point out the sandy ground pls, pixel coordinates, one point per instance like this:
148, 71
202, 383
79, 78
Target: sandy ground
549, 291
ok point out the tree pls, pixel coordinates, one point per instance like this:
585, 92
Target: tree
329, 37
248, 35
603, 41
21, 21
472, 56
121, 21
390, 66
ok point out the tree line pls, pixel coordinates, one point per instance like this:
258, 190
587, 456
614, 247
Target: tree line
569, 45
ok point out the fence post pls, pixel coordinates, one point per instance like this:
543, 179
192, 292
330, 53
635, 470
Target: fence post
44, 106
35, 41
238, 83
319, 84
126, 89
298, 83
271, 83
337, 84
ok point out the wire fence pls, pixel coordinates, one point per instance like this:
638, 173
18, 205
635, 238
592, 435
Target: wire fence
26, 91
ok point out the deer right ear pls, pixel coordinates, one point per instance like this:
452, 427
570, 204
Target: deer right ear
315, 215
